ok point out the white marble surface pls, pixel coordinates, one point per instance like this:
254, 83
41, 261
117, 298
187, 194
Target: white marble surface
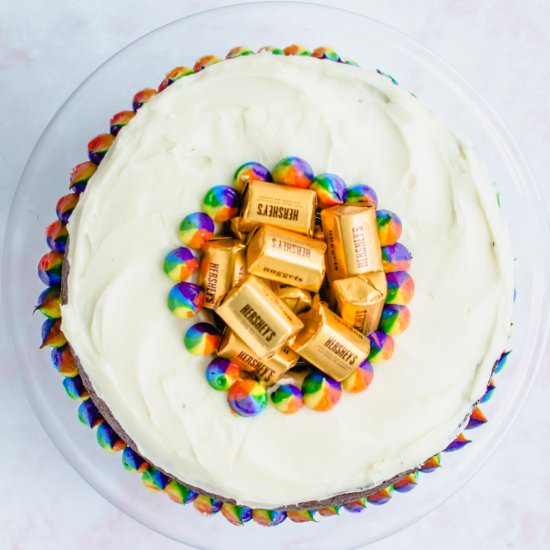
47, 48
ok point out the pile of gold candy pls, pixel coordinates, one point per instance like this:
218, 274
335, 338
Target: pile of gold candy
299, 283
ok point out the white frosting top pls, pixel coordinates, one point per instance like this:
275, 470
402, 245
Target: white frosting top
341, 119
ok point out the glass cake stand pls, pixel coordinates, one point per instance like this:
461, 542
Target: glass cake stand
143, 63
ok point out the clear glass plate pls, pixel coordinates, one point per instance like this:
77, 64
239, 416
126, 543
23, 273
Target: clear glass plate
144, 63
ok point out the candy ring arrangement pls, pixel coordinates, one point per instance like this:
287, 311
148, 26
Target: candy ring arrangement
245, 383
290, 333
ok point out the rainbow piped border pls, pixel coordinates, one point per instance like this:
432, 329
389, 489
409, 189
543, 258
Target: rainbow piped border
49, 302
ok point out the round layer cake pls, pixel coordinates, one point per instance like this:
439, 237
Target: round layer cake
343, 120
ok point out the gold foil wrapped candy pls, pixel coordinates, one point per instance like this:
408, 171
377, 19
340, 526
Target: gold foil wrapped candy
268, 371
353, 245
235, 228
280, 206
286, 257
259, 317
327, 342
239, 267
360, 300
216, 272
297, 299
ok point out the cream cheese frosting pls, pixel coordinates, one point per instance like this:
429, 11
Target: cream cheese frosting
341, 119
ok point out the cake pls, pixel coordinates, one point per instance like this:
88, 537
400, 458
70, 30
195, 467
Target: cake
122, 350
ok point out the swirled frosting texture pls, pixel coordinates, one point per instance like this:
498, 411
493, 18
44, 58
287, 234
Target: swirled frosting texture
343, 120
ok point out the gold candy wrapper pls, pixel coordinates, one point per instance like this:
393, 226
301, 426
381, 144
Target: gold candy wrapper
259, 317
319, 234
239, 266
327, 342
280, 206
353, 245
235, 228
277, 366
269, 371
360, 300
297, 299
230, 346
216, 268
286, 257
326, 294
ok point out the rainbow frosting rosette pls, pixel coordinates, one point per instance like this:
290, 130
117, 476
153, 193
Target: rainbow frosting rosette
221, 373
185, 300
180, 264
202, 339
287, 398
360, 193
396, 257
400, 288
196, 229
360, 379
293, 171
221, 203
389, 227
320, 391
249, 172
247, 397
330, 188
